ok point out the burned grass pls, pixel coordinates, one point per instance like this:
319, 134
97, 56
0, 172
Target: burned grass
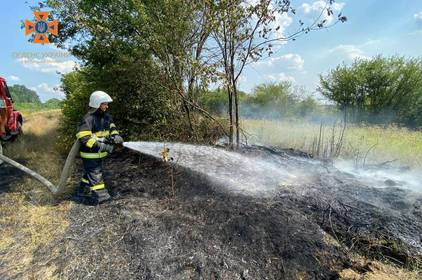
199, 233
166, 222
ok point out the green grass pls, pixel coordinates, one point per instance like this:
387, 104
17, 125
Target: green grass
380, 144
29, 108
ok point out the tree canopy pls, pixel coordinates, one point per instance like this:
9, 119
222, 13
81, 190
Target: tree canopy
267, 101
379, 90
22, 94
162, 54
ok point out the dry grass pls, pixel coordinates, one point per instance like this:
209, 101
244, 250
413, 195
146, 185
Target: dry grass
25, 228
376, 270
378, 144
25, 225
36, 149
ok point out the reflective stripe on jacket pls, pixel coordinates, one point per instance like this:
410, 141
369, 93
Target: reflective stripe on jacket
94, 125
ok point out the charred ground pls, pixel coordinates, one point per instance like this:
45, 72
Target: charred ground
166, 222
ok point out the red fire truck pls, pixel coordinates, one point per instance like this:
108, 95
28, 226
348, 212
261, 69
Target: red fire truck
10, 120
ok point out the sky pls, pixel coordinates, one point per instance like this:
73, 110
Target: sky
374, 27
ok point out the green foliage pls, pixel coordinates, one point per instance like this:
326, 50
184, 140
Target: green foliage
380, 90
142, 110
308, 106
77, 90
22, 94
52, 103
246, 31
27, 101
26, 108
138, 108
139, 53
216, 102
274, 100
154, 57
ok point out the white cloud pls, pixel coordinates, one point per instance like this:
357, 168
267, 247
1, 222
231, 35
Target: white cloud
13, 78
47, 64
294, 61
280, 77
282, 21
418, 16
279, 24
46, 91
350, 51
314, 10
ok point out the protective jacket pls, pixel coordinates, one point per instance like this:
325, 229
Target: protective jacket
93, 128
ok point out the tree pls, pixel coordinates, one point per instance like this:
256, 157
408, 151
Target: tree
379, 90
179, 47
308, 106
273, 100
247, 30
278, 100
52, 103
147, 54
214, 101
22, 94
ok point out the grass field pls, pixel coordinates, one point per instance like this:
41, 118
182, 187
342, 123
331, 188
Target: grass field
377, 144
28, 219
30, 108
37, 146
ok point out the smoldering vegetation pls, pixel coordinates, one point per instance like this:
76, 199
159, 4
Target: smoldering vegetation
172, 221
179, 220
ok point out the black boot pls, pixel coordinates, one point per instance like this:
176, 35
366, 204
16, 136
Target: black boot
100, 196
82, 195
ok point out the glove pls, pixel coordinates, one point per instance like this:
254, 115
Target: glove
103, 147
117, 139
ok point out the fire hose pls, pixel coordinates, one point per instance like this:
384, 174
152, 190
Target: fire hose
63, 177
70, 160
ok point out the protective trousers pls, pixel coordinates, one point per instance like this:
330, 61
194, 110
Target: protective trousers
92, 186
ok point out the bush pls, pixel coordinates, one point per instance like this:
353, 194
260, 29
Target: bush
380, 90
142, 109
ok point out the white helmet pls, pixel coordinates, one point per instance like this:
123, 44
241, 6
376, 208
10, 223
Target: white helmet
98, 97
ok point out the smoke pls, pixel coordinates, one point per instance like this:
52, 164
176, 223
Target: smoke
390, 176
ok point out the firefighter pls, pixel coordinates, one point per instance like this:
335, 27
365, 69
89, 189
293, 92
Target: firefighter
97, 134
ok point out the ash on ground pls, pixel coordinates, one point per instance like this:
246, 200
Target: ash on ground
168, 222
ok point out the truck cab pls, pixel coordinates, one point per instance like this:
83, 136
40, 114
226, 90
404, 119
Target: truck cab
10, 120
